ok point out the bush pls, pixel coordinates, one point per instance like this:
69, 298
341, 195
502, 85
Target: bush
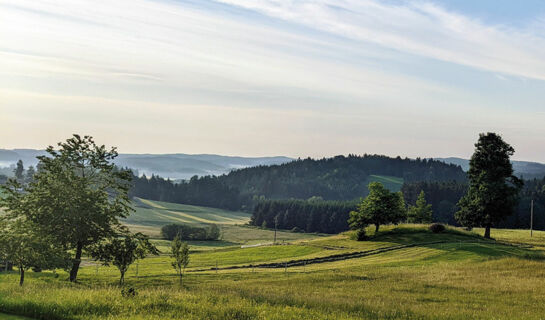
169, 232
437, 228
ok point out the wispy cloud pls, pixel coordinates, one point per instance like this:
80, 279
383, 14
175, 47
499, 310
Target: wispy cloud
417, 27
359, 76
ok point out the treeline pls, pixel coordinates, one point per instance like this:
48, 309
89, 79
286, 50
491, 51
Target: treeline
337, 178
303, 215
331, 216
207, 191
186, 232
444, 197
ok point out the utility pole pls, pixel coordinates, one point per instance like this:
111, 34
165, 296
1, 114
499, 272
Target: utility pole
275, 227
532, 218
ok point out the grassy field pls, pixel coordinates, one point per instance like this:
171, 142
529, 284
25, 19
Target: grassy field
414, 274
392, 183
150, 216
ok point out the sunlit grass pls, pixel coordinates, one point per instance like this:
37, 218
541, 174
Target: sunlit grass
453, 275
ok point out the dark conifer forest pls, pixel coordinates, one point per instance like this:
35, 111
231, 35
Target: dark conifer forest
337, 178
337, 183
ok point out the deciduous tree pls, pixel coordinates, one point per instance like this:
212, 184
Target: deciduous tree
123, 251
180, 255
77, 195
380, 207
21, 242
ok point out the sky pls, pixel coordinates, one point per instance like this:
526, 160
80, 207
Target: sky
274, 77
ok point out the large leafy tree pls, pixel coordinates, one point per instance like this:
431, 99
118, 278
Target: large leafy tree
380, 207
21, 242
123, 251
78, 195
493, 189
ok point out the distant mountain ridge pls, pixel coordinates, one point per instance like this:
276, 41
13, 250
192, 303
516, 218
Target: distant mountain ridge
525, 169
173, 166
183, 166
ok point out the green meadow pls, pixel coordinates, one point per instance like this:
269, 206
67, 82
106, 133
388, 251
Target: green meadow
149, 216
403, 272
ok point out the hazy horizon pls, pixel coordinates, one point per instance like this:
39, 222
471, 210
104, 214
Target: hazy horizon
274, 78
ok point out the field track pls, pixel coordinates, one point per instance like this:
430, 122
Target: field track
353, 255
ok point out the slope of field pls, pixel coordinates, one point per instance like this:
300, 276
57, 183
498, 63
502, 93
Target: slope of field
149, 216
157, 213
452, 275
391, 183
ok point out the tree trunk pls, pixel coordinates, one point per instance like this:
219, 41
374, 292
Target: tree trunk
76, 262
376, 227
487, 231
22, 278
122, 279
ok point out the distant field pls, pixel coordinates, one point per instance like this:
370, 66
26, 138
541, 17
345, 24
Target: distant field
392, 183
150, 216
157, 213
409, 273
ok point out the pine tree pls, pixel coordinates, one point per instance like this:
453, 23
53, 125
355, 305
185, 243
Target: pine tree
422, 212
493, 189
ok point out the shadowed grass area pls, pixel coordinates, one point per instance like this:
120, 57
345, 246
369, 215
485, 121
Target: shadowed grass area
4, 316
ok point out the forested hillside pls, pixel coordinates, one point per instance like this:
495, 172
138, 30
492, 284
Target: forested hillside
304, 215
337, 178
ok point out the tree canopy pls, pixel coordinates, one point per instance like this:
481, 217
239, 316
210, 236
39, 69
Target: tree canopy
77, 195
123, 251
21, 242
380, 207
493, 190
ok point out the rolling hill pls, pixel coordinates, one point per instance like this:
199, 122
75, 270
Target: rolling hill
174, 166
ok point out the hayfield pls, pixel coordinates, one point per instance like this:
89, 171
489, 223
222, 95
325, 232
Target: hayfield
452, 275
150, 216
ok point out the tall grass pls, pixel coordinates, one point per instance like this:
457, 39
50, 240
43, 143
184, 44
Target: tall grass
450, 280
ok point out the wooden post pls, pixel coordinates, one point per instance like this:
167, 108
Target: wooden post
275, 226
532, 219
137, 269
